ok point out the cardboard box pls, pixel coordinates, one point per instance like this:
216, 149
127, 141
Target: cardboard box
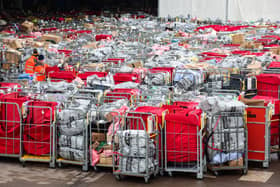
27, 26
252, 31
105, 160
252, 102
96, 19
238, 38
15, 44
13, 56
248, 45
138, 64
6, 66
236, 163
92, 45
27, 42
100, 137
38, 44
88, 26
107, 147
275, 50
94, 66
7, 40
52, 37
68, 19
258, 45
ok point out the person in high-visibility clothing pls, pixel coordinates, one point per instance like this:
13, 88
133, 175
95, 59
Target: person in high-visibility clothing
30, 63
39, 69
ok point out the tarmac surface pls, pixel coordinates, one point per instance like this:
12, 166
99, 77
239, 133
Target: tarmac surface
13, 174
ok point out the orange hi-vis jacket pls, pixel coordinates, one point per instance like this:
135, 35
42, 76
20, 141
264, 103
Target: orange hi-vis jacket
40, 73
29, 65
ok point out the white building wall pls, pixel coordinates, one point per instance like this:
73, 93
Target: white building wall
245, 10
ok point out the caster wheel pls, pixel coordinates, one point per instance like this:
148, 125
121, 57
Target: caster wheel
155, 174
161, 173
244, 171
23, 165
118, 177
205, 169
52, 165
146, 180
85, 168
199, 176
95, 169
59, 165
170, 174
265, 164
216, 173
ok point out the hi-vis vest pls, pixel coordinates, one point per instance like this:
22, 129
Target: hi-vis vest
29, 65
40, 73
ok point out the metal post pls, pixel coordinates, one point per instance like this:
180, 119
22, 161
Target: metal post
227, 9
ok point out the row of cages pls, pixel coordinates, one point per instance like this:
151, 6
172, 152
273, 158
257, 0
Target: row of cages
139, 141
182, 79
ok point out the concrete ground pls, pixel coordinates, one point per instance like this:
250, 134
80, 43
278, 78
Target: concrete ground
12, 174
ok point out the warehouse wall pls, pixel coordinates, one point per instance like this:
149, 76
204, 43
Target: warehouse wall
254, 9
238, 9
201, 8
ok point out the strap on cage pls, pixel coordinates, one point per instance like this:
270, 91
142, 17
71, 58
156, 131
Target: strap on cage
206, 140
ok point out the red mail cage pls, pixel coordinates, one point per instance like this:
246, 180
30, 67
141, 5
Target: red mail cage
121, 93
268, 84
37, 132
10, 122
127, 77
5, 86
85, 75
183, 141
259, 120
67, 76
145, 113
